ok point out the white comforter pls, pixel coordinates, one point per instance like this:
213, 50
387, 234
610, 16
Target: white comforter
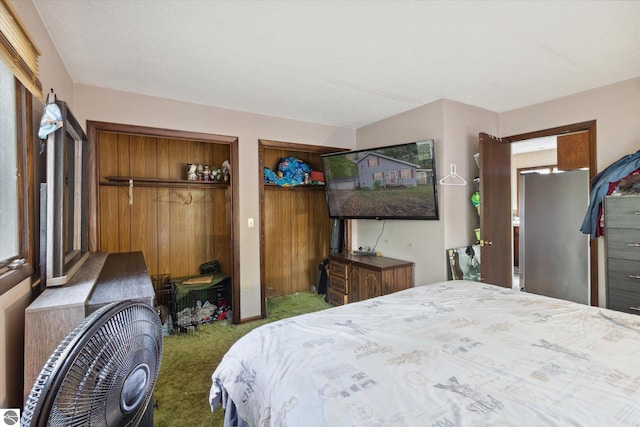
452, 353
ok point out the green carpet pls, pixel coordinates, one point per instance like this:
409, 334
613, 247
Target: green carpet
188, 360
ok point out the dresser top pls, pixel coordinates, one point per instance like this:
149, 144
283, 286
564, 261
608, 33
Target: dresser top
124, 276
76, 292
103, 278
378, 262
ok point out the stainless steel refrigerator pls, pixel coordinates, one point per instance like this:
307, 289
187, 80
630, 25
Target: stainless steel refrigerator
554, 254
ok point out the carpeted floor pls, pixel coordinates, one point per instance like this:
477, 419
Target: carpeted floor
188, 360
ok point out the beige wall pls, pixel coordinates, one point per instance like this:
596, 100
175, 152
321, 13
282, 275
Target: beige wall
415, 241
454, 127
12, 306
92, 103
106, 105
462, 123
616, 109
53, 73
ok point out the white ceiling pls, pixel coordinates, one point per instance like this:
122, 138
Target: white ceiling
346, 63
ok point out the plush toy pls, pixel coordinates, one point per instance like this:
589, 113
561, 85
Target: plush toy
291, 171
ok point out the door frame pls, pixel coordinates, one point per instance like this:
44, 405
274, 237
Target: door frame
292, 147
590, 127
93, 180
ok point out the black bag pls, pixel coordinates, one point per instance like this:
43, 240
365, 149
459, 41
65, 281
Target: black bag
323, 277
210, 267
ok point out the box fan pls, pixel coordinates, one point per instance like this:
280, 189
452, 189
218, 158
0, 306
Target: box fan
103, 373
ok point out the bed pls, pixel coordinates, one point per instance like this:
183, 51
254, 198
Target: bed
455, 353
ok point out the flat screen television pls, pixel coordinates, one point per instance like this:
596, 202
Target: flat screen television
391, 182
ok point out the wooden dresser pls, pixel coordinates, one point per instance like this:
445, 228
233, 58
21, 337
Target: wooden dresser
622, 239
355, 278
103, 278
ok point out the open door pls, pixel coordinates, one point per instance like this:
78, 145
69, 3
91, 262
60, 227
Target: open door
495, 211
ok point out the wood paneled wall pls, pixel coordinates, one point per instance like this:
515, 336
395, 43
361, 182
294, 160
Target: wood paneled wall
295, 225
296, 238
176, 227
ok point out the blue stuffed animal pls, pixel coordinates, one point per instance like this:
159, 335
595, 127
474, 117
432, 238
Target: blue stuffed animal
291, 172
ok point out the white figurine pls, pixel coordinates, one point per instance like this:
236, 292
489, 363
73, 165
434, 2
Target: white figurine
226, 170
191, 172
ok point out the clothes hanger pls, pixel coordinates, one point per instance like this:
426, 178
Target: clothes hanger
453, 178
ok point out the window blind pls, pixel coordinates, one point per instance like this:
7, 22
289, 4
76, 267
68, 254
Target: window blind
17, 49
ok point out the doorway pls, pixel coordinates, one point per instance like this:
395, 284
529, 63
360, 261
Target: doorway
537, 156
294, 223
497, 215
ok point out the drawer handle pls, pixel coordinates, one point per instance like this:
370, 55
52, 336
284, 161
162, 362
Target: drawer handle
634, 308
634, 276
634, 245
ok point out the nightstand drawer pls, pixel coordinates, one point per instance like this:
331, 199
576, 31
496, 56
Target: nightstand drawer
338, 283
335, 297
622, 212
623, 243
338, 269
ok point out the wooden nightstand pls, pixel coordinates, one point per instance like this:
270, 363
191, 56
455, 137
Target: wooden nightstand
358, 277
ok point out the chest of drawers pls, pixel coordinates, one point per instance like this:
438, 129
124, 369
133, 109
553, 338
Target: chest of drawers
355, 278
622, 239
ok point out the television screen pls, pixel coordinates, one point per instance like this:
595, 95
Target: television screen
393, 182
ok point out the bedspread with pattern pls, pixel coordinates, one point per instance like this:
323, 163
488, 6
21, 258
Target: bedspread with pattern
455, 353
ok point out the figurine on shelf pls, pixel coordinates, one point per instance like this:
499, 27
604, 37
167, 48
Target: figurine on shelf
191, 172
226, 170
216, 174
199, 172
206, 173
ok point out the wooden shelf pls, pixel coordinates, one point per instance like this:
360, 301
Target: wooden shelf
306, 187
121, 181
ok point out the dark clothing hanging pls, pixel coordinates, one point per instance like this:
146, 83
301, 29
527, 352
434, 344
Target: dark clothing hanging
600, 188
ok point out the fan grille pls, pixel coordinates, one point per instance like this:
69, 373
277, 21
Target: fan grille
103, 372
